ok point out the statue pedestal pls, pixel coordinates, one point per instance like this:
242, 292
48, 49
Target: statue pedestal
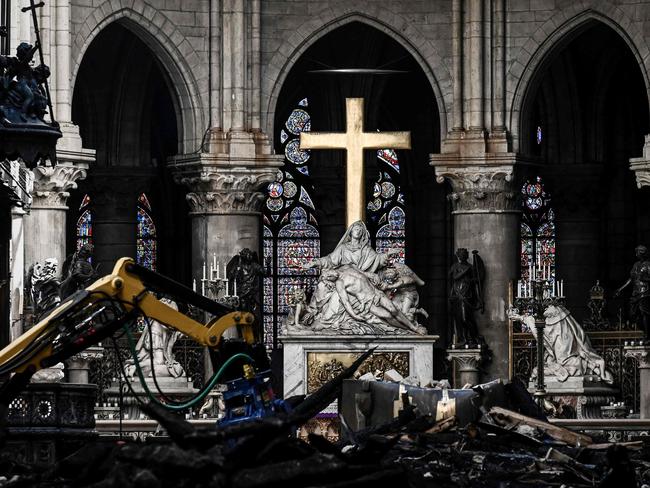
465, 362
179, 389
583, 394
312, 360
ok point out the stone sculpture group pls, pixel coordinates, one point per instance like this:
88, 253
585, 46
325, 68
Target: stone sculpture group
359, 291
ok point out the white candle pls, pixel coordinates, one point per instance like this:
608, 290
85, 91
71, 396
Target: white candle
194, 285
218, 270
203, 287
225, 275
214, 259
204, 274
227, 289
235, 282
561, 288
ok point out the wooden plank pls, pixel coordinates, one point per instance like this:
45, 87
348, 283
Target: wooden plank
512, 419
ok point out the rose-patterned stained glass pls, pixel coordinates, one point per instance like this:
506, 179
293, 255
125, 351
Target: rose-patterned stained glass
146, 242
275, 189
84, 234
386, 217
290, 189
294, 154
537, 228
291, 234
299, 121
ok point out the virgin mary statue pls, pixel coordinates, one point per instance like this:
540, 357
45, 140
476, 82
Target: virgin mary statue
354, 249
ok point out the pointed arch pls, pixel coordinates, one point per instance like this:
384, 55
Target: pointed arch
175, 53
525, 70
414, 42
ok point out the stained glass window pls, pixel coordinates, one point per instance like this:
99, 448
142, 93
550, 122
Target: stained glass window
146, 235
385, 209
291, 235
537, 228
85, 223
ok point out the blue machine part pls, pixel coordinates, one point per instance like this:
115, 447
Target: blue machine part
250, 397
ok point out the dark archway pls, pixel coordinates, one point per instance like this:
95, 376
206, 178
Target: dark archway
402, 101
589, 99
126, 109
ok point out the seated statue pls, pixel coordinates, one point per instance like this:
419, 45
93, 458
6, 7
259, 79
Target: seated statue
44, 287
159, 347
358, 294
568, 351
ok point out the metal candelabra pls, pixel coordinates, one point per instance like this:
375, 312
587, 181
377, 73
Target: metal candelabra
533, 297
214, 282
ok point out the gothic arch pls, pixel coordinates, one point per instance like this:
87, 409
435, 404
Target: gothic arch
383, 20
524, 71
174, 52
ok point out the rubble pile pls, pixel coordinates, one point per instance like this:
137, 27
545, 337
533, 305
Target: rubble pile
502, 448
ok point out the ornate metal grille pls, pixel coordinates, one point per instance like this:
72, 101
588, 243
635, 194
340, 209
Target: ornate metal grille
105, 371
609, 344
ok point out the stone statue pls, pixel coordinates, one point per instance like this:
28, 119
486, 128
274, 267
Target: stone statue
349, 297
246, 270
159, 347
354, 249
297, 302
466, 297
44, 287
77, 271
21, 95
640, 281
399, 283
568, 351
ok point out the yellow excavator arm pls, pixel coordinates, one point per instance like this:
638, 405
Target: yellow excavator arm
89, 315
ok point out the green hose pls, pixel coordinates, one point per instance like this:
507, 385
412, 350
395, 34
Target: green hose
193, 401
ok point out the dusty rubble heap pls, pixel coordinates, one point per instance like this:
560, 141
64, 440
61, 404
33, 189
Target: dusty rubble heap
502, 446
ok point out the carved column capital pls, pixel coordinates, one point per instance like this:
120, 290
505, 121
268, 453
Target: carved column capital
52, 184
477, 188
466, 359
641, 354
220, 187
641, 166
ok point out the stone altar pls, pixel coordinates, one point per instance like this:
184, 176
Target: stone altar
311, 360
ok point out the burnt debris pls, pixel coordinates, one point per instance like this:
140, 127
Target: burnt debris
498, 447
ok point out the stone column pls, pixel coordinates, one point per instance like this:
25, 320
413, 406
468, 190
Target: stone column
641, 354
78, 366
224, 205
485, 218
641, 166
45, 226
467, 362
17, 282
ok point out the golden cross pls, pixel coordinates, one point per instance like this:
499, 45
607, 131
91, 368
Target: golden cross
355, 140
